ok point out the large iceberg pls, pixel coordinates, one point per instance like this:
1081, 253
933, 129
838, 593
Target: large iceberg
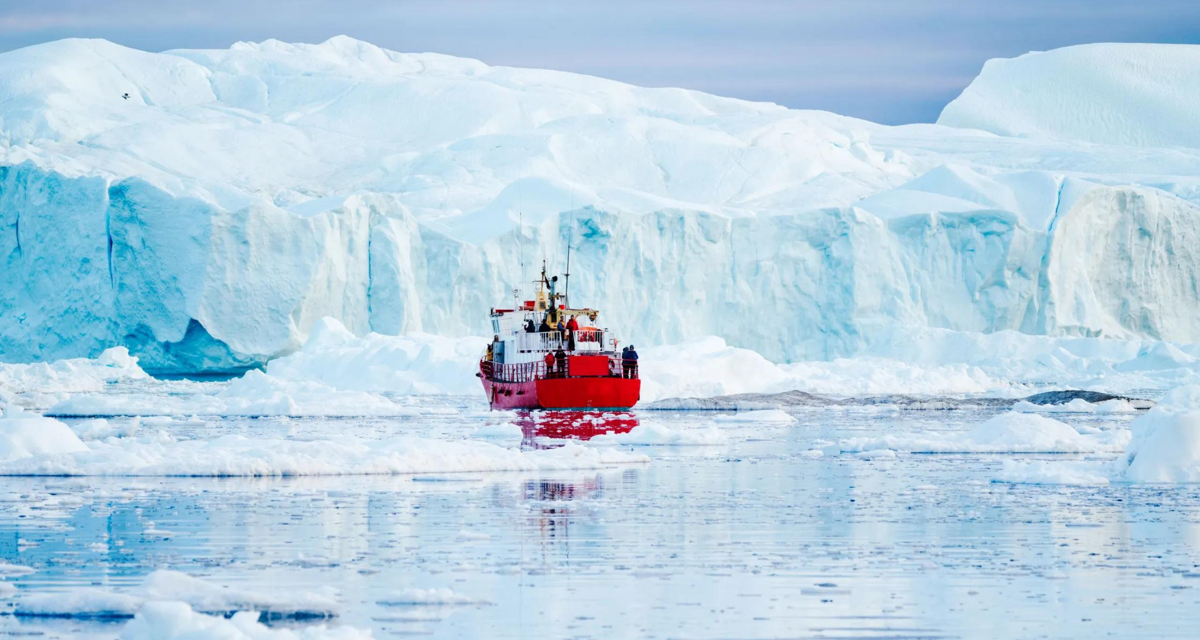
205, 209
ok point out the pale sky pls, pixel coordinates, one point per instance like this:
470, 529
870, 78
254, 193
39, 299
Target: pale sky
889, 61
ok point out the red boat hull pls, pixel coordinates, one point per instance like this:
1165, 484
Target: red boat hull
564, 393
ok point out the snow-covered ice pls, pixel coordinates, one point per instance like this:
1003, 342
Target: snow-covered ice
240, 195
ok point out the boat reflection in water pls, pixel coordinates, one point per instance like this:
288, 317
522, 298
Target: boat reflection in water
540, 428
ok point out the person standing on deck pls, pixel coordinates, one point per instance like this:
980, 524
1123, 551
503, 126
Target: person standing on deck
544, 327
631, 362
625, 362
496, 350
549, 362
572, 327
560, 363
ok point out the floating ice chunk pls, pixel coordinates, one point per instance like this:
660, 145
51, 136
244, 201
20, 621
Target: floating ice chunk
436, 596
177, 621
7, 570
500, 431
82, 602
254, 394
655, 434
99, 429
1011, 432
772, 416
236, 455
163, 585
1052, 472
29, 383
211, 598
1077, 405
1166, 440
25, 435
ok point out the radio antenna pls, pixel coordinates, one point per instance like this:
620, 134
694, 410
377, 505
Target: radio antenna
567, 284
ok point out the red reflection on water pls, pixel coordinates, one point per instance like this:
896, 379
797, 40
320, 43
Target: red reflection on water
571, 425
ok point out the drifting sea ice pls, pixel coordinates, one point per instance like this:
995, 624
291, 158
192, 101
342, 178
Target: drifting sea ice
44, 446
1164, 448
649, 434
178, 621
1006, 433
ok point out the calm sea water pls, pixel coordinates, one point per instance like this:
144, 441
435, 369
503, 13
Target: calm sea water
755, 538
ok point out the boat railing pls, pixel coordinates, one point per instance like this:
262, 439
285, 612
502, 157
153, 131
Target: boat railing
517, 372
586, 339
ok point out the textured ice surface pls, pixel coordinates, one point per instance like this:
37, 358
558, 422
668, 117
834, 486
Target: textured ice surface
1122, 94
240, 195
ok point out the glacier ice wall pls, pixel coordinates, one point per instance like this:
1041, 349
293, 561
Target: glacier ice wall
189, 286
237, 196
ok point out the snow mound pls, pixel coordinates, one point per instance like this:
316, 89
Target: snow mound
410, 364
235, 455
1166, 441
1011, 432
1123, 94
254, 394
28, 384
648, 434
27, 435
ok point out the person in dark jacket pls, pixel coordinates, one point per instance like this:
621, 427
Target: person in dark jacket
529, 326
560, 363
631, 361
544, 327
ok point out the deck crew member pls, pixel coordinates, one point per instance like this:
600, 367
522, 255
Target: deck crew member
629, 362
549, 361
529, 327
572, 327
560, 362
544, 327
496, 350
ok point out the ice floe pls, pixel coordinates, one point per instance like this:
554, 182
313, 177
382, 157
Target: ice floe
761, 416
40, 384
178, 621
1166, 440
24, 434
425, 597
654, 434
62, 453
164, 585
1010, 432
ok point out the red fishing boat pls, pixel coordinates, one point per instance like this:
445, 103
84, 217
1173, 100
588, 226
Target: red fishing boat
533, 365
